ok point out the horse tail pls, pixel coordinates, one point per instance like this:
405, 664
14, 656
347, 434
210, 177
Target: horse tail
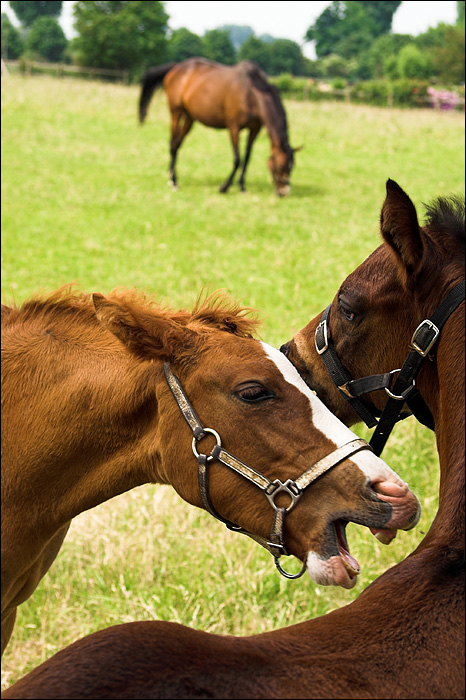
150, 82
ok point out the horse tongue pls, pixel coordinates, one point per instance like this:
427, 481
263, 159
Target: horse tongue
384, 535
351, 564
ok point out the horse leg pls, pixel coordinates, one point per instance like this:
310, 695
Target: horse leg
179, 131
253, 131
234, 135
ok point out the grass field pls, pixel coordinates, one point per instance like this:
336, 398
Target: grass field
85, 199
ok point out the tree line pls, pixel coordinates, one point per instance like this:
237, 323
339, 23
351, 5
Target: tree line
353, 41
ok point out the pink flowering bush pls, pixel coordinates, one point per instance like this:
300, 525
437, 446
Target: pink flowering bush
443, 99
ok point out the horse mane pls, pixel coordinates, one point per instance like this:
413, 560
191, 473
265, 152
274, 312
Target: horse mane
447, 214
64, 302
216, 310
6, 311
260, 82
219, 310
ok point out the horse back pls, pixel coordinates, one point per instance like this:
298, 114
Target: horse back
215, 95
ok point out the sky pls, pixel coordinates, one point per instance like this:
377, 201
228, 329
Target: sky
282, 20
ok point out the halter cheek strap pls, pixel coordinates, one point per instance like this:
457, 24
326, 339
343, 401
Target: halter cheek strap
404, 389
350, 391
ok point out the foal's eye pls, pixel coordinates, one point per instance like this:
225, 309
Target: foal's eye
253, 393
346, 310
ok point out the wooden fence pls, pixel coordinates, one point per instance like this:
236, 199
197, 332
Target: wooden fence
62, 69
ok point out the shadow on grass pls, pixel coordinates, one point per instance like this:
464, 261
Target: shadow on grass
209, 184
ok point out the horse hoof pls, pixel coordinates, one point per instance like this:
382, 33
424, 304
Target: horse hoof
172, 185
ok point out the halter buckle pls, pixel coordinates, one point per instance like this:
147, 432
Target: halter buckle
289, 487
430, 335
321, 337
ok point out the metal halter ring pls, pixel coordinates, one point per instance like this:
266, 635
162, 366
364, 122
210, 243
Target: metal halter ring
212, 432
286, 574
406, 392
287, 487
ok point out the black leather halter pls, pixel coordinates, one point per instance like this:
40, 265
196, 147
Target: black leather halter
404, 389
293, 488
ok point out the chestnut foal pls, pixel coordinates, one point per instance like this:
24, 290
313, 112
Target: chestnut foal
103, 394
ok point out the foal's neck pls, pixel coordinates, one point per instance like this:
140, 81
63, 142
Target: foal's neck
446, 401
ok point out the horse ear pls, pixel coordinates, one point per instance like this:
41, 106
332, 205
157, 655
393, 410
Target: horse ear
400, 228
298, 148
146, 331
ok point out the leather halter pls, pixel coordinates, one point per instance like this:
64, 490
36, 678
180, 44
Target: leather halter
293, 488
404, 389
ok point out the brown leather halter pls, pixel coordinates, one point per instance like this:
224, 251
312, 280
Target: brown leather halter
293, 488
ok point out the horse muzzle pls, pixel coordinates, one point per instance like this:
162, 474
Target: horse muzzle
390, 506
283, 190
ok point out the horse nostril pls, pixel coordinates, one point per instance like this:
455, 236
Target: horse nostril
390, 489
285, 349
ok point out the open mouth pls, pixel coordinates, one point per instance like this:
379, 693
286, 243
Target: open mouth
337, 566
351, 565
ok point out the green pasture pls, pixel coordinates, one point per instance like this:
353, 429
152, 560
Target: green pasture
85, 199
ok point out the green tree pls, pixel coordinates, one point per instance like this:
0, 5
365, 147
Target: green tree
312, 68
184, 44
46, 38
12, 44
460, 10
257, 51
325, 32
444, 45
285, 57
28, 12
218, 47
448, 60
347, 28
433, 38
413, 63
381, 50
127, 35
381, 14
334, 66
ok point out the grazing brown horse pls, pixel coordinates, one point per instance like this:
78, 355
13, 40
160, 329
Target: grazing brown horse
223, 97
403, 637
90, 411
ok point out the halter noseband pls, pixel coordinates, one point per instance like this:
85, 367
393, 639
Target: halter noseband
293, 488
404, 389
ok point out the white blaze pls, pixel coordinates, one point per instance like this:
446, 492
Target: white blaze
372, 466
